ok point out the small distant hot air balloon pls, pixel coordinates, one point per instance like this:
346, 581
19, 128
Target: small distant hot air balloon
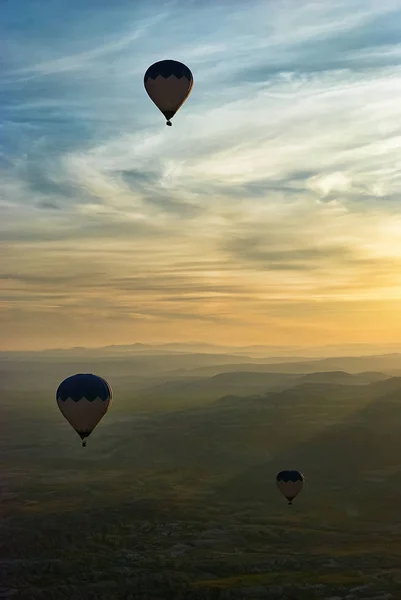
168, 84
290, 483
84, 399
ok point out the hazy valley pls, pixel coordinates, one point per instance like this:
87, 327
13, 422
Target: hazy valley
175, 495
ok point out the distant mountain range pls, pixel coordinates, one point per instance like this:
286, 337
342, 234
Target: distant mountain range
186, 392
155, 379
274, 352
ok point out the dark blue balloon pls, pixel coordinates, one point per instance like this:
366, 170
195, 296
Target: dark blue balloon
84, 385
166, 68
289, 476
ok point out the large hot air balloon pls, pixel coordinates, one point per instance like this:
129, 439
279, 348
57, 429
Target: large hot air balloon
84, 399
168, 84
290, 483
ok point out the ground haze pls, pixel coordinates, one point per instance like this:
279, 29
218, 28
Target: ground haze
174, 496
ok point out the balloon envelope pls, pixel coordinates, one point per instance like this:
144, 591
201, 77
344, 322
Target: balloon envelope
83, 399
168, 84
290, 483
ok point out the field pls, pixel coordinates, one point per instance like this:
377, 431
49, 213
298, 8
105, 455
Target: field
174, 496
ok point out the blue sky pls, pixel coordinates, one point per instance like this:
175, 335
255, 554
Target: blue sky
269, 212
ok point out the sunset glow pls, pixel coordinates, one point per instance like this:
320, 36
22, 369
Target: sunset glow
270, 213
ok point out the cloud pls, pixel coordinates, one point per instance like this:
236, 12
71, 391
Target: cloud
272, 198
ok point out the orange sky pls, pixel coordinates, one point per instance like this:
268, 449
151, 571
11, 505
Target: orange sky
269, 213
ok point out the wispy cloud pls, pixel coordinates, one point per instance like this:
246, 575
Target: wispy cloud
270, 208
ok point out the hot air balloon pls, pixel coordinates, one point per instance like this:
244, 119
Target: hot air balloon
84, 399
168, 84
290, 483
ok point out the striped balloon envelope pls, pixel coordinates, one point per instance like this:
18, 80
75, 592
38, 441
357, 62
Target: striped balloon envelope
84, 399
168, 84
290, 483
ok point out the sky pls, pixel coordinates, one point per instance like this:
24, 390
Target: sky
270, 213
